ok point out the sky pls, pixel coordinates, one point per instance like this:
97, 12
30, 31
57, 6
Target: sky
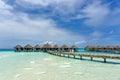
70, 22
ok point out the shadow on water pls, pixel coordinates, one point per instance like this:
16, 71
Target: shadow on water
100, 61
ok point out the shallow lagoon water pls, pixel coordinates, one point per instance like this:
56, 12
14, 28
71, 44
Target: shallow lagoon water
43, 66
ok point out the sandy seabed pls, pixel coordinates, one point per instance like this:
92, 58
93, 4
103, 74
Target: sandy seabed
43, 66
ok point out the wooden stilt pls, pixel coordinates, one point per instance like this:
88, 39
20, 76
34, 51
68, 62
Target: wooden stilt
68, 55
74, 56
59, 54
104, 60
81, 57
63, 55
91, 58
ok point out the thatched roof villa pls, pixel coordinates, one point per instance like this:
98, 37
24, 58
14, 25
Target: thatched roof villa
37, 48
117, 48
103, 48
65, 48
110, 48
55, 48
28, 48
18, 48
73, 48
46, 47
89, 48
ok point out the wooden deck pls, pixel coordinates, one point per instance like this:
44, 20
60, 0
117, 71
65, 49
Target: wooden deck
91, 56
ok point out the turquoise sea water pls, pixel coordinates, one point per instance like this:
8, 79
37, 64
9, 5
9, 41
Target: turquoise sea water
6, 50
43, 66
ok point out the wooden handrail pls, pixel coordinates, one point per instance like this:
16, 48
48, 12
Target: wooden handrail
86, 55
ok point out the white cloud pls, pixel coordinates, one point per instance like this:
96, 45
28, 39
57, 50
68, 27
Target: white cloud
39, 29
95, 13
46, 3
99, 14
61, 7
4, 9
4, 6
50, 42
18, 28
80, 42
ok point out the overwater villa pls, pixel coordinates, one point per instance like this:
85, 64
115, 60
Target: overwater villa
110, 48
115, 49
18, 48
37, 48
28, 48
73, 48
55, 48
65, 48
100, 49
89, 48
46, 47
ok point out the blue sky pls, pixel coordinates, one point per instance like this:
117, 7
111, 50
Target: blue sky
79, 22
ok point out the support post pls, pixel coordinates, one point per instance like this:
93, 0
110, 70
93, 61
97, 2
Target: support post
63, 55
80, 57
91, 58
104, 60
74, 56
60, 54
68, 55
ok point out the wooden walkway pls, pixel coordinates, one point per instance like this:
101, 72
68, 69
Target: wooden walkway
91, 56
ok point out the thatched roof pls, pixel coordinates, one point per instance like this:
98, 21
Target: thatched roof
64, 46
55, 46
110, 46
37, 46
18, 46
28, 46
89, 47
73, 47
47, 45
101, 47
117, 47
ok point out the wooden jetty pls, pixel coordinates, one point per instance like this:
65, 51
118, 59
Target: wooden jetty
91, 56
